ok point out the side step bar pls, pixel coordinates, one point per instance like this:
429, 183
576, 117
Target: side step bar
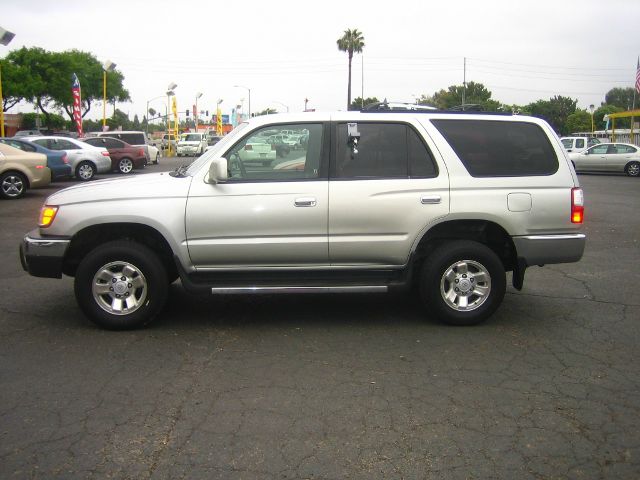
293, 289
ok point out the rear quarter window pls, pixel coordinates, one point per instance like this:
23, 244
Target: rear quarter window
491, 148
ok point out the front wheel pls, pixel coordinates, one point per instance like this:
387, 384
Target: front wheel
462, 282
85, 171
121, 285
633, 169
13, 185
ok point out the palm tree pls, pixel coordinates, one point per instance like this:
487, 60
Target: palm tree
351, 42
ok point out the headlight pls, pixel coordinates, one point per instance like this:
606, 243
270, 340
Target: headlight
47, 215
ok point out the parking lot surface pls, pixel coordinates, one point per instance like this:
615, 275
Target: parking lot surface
331, 387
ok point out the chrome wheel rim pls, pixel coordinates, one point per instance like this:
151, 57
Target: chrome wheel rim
126, 165
12, 186
85, 172
119, 288
634, 169
465, 285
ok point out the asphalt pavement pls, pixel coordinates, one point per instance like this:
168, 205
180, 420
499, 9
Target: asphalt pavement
335, 386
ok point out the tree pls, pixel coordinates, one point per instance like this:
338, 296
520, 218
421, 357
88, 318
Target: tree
267, 111
578, 121
44, 79
620, 97
475, 94
358, 103
351, 42
601, 123
556, 110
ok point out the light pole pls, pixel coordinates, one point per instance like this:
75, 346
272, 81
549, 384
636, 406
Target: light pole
170, 92
5, 38
591, 109
147, 112
280, 103
107, 66
198, 95
249, 91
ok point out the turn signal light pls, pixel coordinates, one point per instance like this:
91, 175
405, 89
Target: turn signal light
47, 215
577, 205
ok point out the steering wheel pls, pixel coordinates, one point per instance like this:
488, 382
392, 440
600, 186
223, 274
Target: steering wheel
235, 163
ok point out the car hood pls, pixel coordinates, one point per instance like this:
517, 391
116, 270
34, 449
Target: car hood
189, 142
152, 185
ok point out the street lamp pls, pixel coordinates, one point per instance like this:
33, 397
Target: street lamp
591, 109
248, 90
5, 38
280, 103
107, 66
198, 95
147, 112
170, 92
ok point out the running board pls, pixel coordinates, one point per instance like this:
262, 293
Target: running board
292, 289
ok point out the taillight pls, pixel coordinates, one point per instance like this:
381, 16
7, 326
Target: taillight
141, 153
39, 167
577, 205
248, 147
64, 158
105, 153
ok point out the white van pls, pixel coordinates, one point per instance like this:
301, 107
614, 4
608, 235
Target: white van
192, 144
578, 144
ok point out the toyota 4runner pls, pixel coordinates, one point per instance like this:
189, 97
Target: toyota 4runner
446, 202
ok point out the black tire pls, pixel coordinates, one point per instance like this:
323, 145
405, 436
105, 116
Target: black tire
85, 171
632, 169
474, 270
12, 185
124, 268
125, 165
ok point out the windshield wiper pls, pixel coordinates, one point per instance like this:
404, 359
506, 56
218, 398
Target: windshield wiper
180, 171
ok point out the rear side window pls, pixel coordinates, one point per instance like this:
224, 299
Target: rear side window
385, 150
490, 148
579, 142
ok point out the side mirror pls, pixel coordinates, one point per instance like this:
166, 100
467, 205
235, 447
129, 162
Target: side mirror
218, 171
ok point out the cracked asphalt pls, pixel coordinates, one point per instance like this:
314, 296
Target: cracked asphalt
331, 387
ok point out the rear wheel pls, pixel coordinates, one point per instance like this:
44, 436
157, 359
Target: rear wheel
463, 282
121, 285
85, 170
125, 165
633, 169
13, 185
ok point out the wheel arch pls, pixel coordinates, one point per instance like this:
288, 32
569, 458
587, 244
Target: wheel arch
92, 236
22, 173
486, 232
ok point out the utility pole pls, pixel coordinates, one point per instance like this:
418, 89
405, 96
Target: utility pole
464, 82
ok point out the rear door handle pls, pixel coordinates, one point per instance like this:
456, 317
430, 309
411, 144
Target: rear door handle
430, 199
305, 202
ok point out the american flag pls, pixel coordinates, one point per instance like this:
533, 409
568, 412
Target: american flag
77, 114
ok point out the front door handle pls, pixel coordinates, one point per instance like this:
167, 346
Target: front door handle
430, 199
305, 202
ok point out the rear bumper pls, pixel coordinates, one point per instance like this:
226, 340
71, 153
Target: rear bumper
43, 256
544, 249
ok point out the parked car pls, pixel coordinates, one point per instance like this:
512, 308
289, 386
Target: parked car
608, 157
439, 204
57, 162
28, 133
578, 144
256, 149
20, 170
213, 139
85, 160
135, 138
192, 144
124, 157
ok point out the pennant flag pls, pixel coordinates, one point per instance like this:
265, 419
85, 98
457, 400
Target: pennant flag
77, 114
638, 76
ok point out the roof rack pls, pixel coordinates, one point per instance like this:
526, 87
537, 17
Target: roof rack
400, 107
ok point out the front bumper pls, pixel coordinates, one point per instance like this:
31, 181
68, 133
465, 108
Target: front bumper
544, 249
43, 256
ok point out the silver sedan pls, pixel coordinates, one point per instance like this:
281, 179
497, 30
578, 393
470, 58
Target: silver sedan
608, 157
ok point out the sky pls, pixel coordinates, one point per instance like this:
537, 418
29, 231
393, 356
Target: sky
285, 51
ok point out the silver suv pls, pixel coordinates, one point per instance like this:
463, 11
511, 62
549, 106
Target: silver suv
372, 201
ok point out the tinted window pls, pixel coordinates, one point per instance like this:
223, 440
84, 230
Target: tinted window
625, 149
579, 142
132, 138
276, 157
599, 150
43, 142
385, 150
491, 148
96, 142
567, 143
62, 144
113, 143
22, 146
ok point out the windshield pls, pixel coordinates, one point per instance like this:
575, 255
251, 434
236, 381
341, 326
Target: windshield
214, 151
191, 137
